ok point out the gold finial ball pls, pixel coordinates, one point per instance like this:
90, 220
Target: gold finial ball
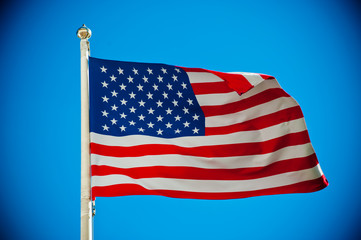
84, 32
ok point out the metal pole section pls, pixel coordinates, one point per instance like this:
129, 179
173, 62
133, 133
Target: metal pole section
86, 222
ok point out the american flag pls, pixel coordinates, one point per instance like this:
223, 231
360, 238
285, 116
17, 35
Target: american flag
158, 129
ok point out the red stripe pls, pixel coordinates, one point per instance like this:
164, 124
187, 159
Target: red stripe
260, 98
228, 150
272, 119
179, 172
237, 82
194, 69
132, 189
209, 88
266, 77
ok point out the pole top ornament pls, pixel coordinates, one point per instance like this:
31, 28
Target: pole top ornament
83, 32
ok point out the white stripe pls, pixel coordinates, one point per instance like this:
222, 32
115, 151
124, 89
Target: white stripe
202, 77
217, 99
211, 186
174, 160
262, 135
261, 87
251, 113
253, 78
224, 98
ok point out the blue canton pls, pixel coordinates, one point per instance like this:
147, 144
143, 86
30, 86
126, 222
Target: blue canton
128, 98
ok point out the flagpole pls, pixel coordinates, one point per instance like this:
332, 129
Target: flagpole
86, 207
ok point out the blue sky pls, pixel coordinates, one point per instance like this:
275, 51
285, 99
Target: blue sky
311, 47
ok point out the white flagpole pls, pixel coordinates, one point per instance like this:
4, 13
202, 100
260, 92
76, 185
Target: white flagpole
86, 208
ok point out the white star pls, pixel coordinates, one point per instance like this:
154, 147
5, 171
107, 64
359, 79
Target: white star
184, 85
164, 70
122, 128
160, 132
124, 102
141, 117
195, 117
132, 109
105, 84
114, 108
155, 87
150, 111
195, 130
179, 94
190, 101
122, 115
177, 69
130, 79
175, 78
159, 103
175, 103
145, 79
177, 118
186, 110
120, 71
165, 95
186, 124
135, 71
105, 113
159, 118
114, 121
114, 94
132, 123
140, 87
141, 129
132, 95
177, 131
113, 78
169, 86
141, 103
122, 87
149, 95
169, 111
105, 128
105, 99
103, 69
160, 78
150, 125
169, 125
150, 71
